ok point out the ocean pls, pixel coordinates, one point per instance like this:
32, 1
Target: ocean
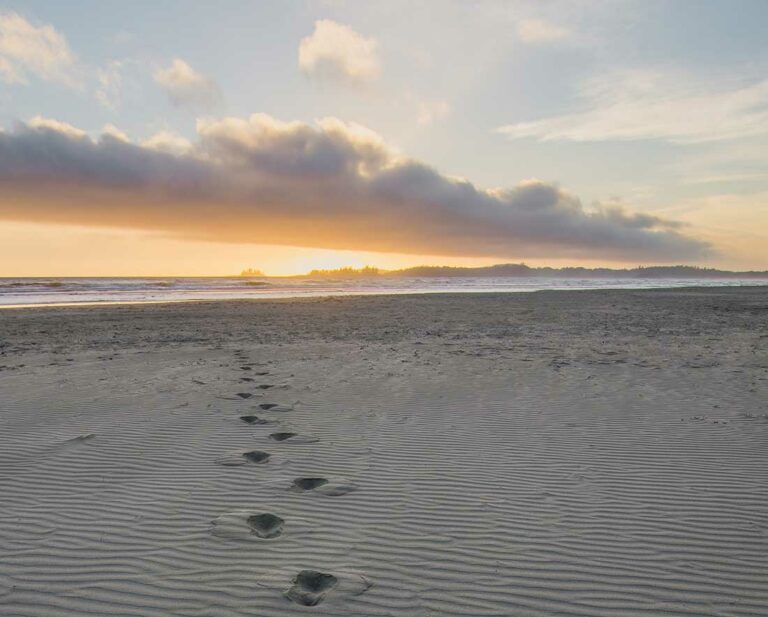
29, 292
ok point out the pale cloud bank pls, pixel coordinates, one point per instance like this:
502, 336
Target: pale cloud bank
186, 87
336, 52
653, 104
328, 185
29, 50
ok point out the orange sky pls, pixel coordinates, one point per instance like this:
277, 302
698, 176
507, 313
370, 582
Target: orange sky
28, 249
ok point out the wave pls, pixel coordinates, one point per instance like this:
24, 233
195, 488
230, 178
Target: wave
35, 292
257, 284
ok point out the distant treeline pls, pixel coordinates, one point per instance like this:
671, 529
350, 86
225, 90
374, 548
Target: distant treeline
347, 272
523, 271
251, 272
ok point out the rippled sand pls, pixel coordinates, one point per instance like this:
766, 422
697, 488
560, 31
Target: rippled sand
560, 453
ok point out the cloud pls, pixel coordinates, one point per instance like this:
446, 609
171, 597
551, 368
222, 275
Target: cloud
47, 124
336, 52
538, 31
165, 141
186, 87
631, 105
111, 131
110, 80
329, 185
27, 50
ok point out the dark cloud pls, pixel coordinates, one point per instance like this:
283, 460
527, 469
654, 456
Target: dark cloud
335, 185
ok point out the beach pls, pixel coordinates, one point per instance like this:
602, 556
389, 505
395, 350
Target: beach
599, 453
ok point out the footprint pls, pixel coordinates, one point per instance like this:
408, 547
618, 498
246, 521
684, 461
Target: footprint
255, 526
294, 438
74, 441
275, 407
282, 436
310, 587
336, 490
238, 458
256, 456
266, 525
265, 386
322, 486
80, 438
255, 420
244, 394
308, 484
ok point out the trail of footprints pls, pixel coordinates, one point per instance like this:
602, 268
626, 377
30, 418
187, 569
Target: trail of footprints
307, 587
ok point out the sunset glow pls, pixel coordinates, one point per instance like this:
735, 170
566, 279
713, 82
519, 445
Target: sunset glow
376, 141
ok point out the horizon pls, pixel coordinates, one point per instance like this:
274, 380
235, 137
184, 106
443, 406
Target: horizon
375, 270
330, 135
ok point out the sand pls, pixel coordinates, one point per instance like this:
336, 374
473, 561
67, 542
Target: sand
600, 453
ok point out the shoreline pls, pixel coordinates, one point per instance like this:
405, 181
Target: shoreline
356, 294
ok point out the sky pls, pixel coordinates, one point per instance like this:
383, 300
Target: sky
198, 138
